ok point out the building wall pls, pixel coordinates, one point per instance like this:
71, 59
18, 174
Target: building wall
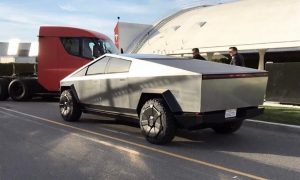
129, 33
247, 24
3, 48
22, 56
254, 26
23, 50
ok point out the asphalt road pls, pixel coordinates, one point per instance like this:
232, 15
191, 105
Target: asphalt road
36, 144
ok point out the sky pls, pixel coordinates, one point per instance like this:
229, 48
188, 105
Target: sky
22, 18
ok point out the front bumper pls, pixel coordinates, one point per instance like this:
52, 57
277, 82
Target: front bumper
210, 119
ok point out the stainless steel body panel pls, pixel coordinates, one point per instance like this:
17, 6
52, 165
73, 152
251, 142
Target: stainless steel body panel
233, 93
186, 89
88, 90
103, 90
123, 92
114, 92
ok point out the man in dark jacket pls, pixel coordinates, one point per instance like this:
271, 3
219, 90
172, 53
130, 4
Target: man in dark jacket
236, 58
196, 54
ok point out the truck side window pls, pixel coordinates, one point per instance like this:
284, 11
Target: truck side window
98, 67
87, 48
106, 46
109, 47
71, 45
118, 65
80, 73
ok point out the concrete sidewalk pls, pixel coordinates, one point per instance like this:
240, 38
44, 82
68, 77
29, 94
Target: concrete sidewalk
277, 104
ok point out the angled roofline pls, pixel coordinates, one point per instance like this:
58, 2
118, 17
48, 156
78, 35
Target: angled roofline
62, 31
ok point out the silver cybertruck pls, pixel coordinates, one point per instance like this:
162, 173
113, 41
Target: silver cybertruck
164, 93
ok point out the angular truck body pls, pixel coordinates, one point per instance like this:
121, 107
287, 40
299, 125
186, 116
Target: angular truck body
165, 93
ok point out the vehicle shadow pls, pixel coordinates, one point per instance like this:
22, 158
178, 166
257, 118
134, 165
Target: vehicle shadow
112, 121
246, 140
39, 99
44, 99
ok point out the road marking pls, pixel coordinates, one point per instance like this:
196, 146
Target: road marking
219, 167
8, 114
130, 151
119, 132
273, 123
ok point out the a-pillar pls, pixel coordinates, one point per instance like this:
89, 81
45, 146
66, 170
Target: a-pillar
261, 62
210, 55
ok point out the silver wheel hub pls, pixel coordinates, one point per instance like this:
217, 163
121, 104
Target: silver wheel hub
65, 106
151, 121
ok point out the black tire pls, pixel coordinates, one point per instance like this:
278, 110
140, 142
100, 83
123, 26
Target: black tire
228, 128
4, 89
69, 107
157, 122
19, 90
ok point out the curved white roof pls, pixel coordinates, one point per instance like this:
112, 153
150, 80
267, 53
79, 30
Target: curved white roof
247, 24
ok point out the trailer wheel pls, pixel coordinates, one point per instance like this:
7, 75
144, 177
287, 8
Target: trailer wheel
4, 89
69, 107
19, 90
157, 122
228, 128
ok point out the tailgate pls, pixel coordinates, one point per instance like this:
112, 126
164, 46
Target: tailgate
232, 91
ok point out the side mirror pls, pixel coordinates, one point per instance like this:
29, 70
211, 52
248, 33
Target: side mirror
97, 52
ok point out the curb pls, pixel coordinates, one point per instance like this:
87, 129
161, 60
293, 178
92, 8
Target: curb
276, 104
272, 126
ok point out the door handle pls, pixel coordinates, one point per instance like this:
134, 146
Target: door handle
122, 79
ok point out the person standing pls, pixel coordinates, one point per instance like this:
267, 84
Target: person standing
236, 58
196, 54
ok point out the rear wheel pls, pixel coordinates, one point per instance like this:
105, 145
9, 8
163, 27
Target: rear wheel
157, 122
228, 128
69, 107
4, 89
19, 90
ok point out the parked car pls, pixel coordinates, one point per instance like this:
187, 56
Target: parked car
164, 93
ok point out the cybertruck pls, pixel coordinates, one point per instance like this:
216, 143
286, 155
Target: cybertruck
164, 93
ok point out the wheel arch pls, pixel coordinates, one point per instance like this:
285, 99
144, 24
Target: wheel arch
72, 89
165, 94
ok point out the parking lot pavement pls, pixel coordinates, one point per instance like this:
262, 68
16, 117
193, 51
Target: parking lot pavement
36, 144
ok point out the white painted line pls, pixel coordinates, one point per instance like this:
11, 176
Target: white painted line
130, 151
119, 132
275, 124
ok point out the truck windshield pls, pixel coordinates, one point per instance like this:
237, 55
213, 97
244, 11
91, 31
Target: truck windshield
107, 46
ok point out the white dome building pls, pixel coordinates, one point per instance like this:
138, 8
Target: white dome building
254, 26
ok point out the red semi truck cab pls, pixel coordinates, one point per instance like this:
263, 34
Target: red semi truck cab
61, 51
64, 49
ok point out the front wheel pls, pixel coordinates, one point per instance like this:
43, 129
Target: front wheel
228, 128
157, 122
69, 107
